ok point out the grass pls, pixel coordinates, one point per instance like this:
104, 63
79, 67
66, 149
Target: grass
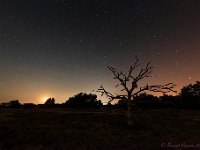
46, 129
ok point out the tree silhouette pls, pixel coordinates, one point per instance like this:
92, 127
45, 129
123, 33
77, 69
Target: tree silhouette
145, 100
121, 104
190, 94
14, 104
5, 104
191, 90
29, 105
129, 84
50, 101
170, 101
83, 100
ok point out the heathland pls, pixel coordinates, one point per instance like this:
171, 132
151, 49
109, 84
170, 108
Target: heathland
89, 129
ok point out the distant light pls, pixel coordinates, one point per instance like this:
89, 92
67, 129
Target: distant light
43, 99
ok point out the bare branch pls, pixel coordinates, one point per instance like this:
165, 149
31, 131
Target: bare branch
110, 96
121, 77
117, 85
169, 87
130, 92
124, 79
140, 90
144, 72
104, 92
157, 88
132, 68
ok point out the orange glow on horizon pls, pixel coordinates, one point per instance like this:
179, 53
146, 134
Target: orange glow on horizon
43, 99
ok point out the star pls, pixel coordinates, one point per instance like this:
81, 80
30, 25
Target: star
177, 65
177, 52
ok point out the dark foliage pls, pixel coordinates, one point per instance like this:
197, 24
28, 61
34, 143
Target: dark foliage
50, 101
191, 90
83, 100
28, 105
121, 104
170, 101
190, 95
11, 104
143, 100
4, 105
147, 101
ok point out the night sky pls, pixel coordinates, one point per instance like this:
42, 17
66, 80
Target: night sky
58, 48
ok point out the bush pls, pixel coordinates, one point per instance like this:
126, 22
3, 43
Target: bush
83, 100
190, 95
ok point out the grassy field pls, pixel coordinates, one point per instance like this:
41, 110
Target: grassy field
46, 129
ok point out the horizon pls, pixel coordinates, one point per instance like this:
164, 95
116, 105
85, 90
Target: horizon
103, 99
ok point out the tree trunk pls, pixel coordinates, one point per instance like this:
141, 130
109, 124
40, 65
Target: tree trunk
130, 115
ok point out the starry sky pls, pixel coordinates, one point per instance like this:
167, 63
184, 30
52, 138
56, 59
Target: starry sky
58, 48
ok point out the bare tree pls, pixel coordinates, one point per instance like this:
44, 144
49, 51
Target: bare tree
129, 84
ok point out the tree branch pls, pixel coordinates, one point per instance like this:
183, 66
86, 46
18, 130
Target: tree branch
121, 77
144, 72
169, 87
157, 88
124, 79
110, 96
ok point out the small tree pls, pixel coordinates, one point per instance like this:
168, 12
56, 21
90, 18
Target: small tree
169, 100
5, 104
83, 100
190, 94
191, 90
14, 104
50, 101
145, 100
129, 84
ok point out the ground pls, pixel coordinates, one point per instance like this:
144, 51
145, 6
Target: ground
68, 129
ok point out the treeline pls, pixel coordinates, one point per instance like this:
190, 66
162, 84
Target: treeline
81, 100
147, 101
189, 97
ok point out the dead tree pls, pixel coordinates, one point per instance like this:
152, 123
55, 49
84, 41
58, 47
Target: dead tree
129, 85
